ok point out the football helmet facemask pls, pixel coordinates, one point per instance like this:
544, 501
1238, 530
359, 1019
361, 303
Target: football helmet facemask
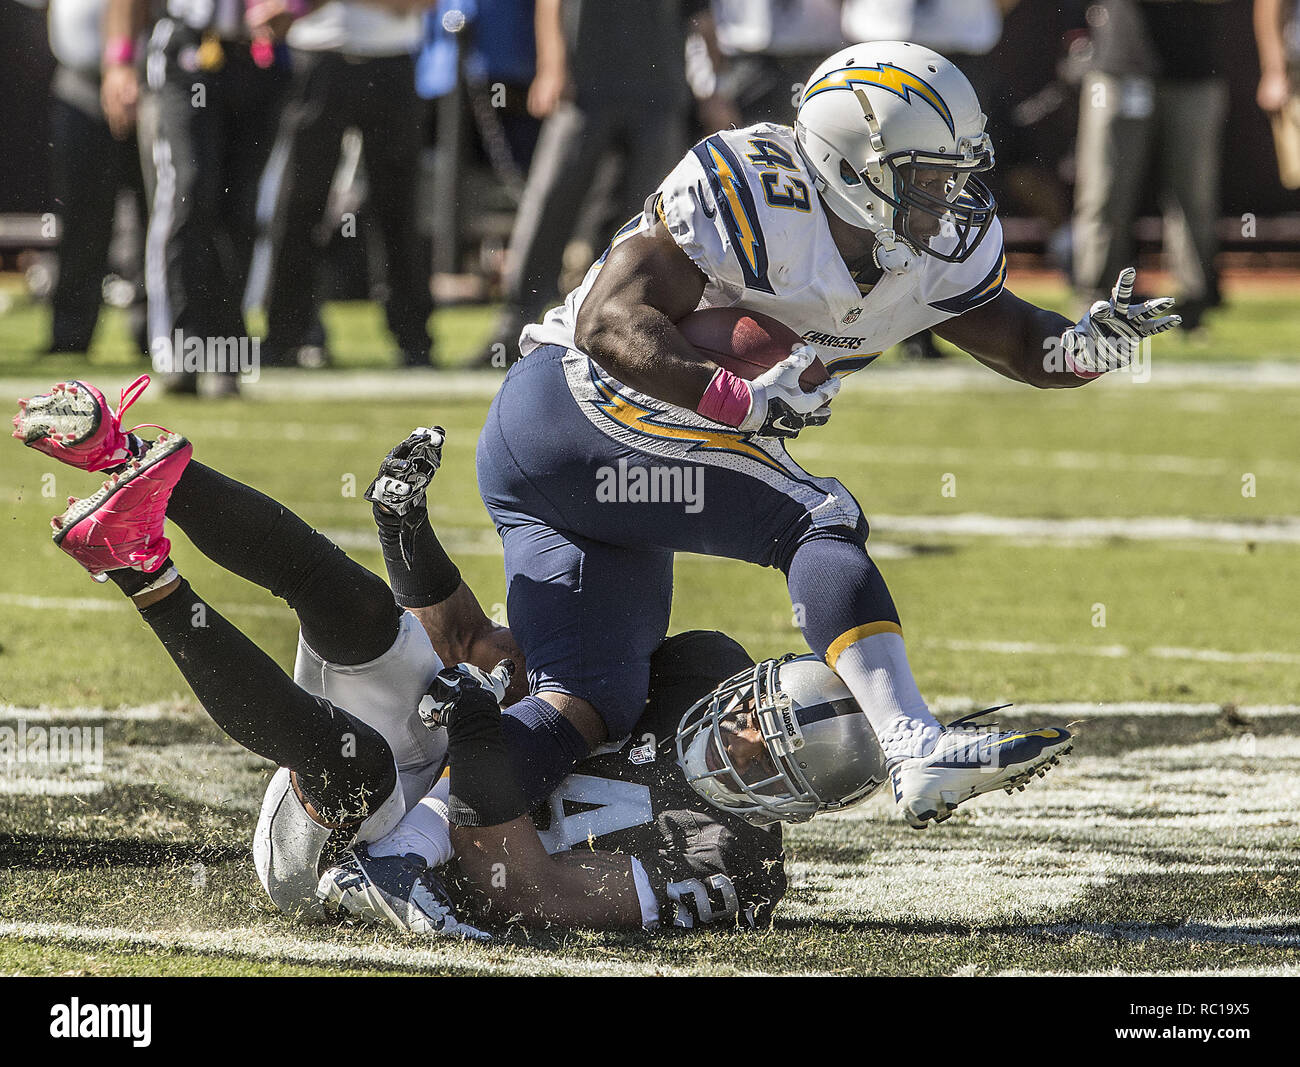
894, 137
817, 751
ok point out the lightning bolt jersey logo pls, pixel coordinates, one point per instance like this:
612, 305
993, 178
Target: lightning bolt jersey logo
627, 413
732, 194
902, 83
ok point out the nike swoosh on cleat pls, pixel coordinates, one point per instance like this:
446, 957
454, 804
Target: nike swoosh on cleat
1048, 732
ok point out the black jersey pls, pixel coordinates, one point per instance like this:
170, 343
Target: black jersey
705, 865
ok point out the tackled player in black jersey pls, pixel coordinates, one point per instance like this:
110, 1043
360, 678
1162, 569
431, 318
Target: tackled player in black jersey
669, 826
623, 841
676, 825
702, 864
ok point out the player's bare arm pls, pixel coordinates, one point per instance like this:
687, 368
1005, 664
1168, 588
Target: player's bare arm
424, 579
498, 846
461, 632
124, 21
1046, 350
509, 867
626, 324
1011, 336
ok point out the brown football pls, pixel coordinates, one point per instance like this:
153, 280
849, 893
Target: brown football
746, 342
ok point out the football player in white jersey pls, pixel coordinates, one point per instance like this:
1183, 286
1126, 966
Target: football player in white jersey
861, 225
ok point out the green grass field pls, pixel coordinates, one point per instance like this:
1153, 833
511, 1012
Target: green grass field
1125, 556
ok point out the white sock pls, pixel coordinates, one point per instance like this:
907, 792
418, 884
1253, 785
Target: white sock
424, 830
876, 671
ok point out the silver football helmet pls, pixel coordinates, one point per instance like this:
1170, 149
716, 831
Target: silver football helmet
818, 751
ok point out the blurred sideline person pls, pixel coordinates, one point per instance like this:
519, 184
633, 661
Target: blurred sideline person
610, 76
964, 31
771, 46
218, 94
478, 72
1277, 36
1153, 111
91, 167
353, 66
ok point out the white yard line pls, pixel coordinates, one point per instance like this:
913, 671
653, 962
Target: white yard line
1046, 648
1076, 709
1277, 971
943, 705
256, 944
81, 713
885, 454
1041, 648
955, 375
995, 648
120, 604
1138, 528
1282, 932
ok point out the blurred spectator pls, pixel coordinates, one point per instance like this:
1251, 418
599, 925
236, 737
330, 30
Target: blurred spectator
218, 94
1155, 90
963, 31
771, 47
478, 60
353, 67
610, 75
1034, 118
490, 43
1277, 34
90, 167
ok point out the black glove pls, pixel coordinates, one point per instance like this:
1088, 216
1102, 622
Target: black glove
404, 477
783, 421
780, 406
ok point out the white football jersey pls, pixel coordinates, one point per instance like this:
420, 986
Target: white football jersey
742, 205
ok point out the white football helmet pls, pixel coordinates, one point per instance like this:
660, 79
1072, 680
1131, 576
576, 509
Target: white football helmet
893, 134
821, 753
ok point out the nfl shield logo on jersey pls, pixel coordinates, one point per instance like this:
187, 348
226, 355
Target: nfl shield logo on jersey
851, 317
643, 753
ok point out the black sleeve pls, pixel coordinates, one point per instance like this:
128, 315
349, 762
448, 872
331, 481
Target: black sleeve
483, 788
726, 876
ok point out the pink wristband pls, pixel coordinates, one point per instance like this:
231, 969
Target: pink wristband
120, 51
727, 399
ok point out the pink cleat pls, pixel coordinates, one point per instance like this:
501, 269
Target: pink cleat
74, 424
122, 524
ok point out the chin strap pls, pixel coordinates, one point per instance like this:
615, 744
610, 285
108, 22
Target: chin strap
892, 254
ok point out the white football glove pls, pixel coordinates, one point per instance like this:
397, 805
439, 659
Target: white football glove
1108, 335
779, 406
